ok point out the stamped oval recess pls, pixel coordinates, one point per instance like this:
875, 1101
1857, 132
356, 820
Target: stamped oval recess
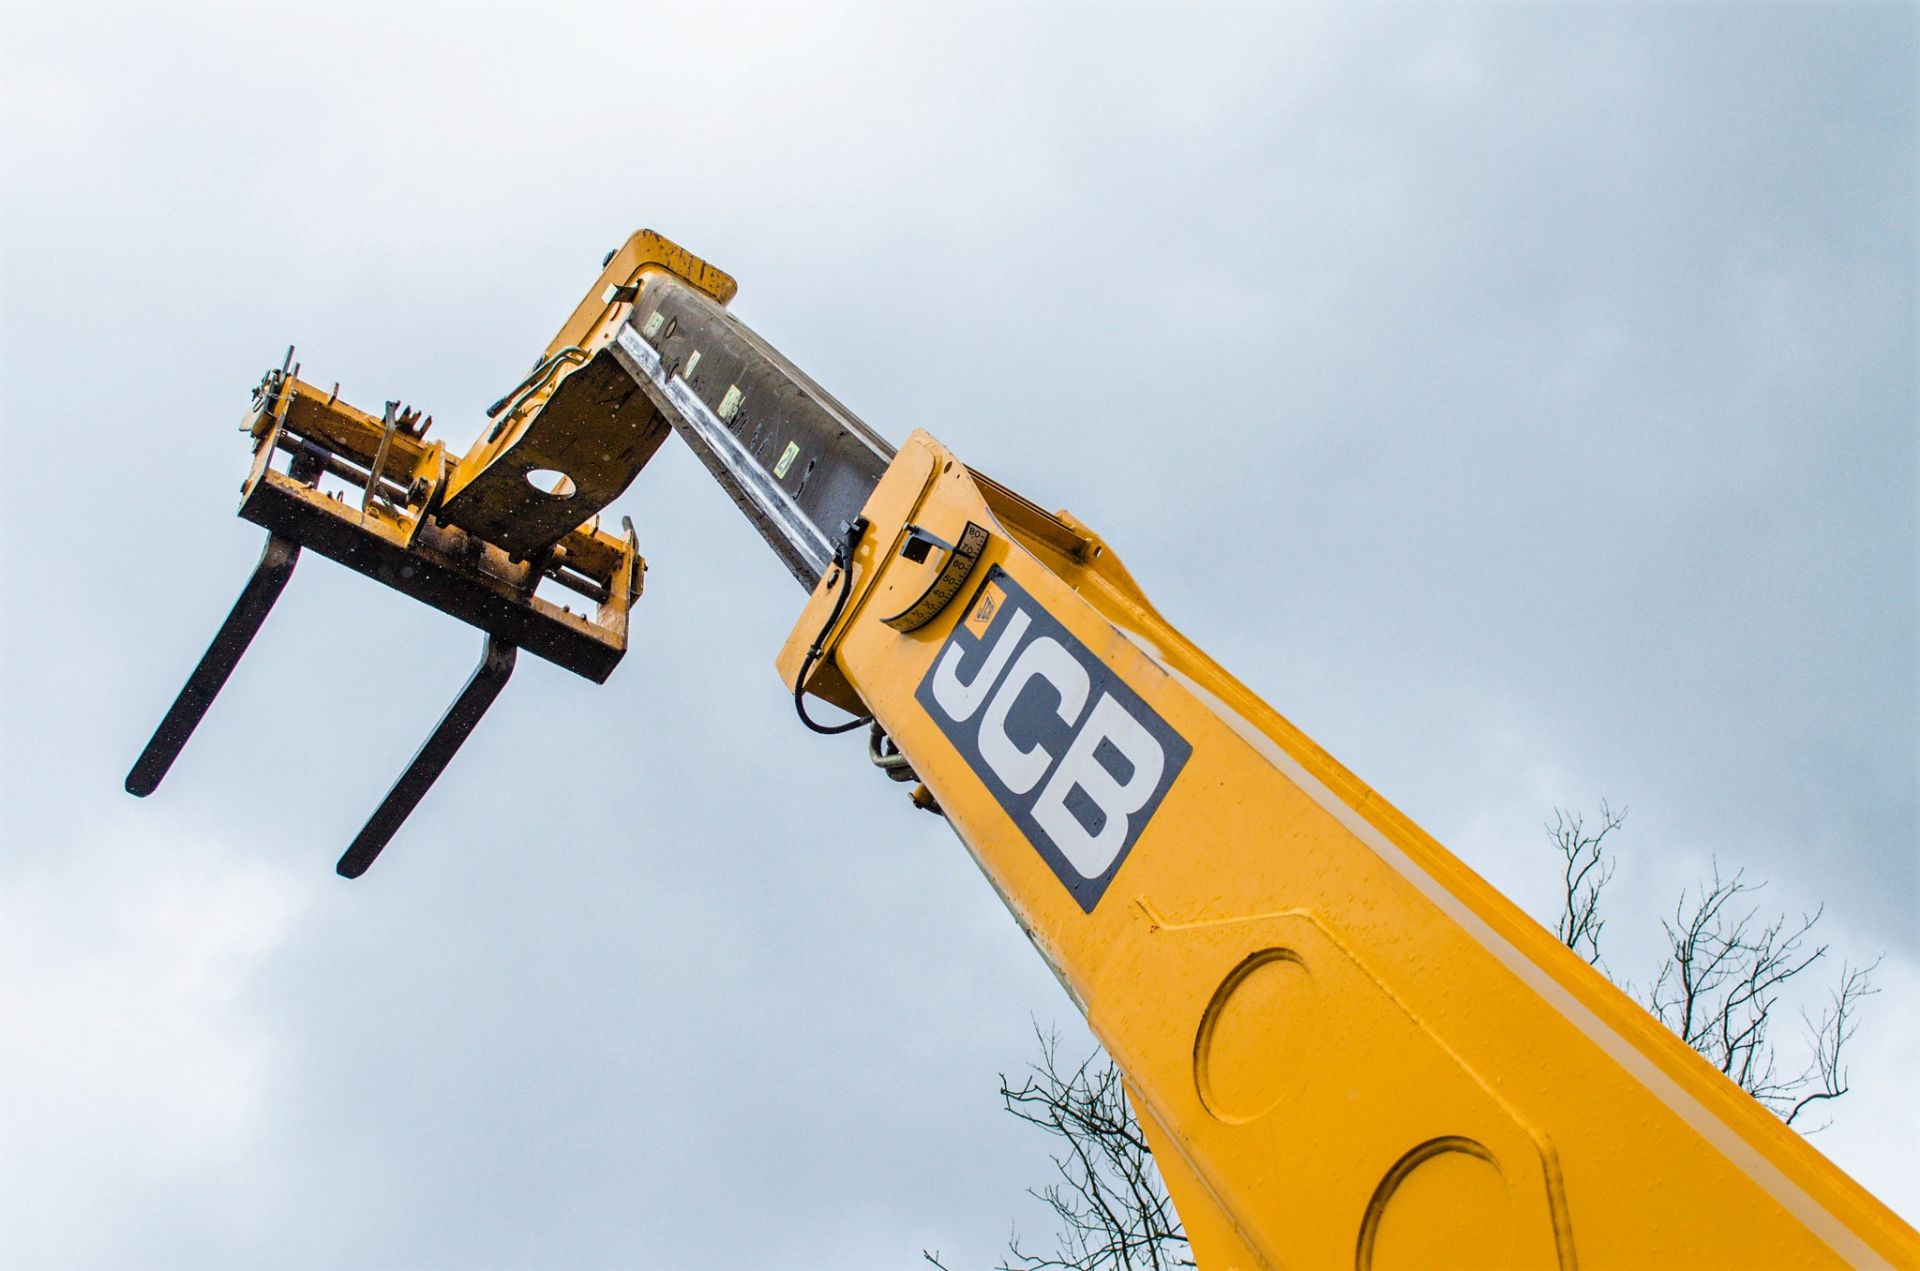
1446, 1203
1263, 1021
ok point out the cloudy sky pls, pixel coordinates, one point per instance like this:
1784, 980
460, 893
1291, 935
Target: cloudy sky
1520, 397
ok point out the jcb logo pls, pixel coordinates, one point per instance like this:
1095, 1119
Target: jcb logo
1074, 756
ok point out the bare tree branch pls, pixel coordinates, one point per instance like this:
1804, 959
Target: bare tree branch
1110, 1204
1586, 871
1726, 972
1830, 1033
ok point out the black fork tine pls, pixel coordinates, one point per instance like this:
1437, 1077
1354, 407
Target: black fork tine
235, 634
496, 664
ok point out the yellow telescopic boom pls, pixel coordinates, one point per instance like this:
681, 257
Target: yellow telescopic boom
1346, 1049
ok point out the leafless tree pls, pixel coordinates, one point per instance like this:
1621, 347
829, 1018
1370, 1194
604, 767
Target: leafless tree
1726, 974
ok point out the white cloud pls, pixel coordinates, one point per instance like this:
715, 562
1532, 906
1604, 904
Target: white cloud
132, 1059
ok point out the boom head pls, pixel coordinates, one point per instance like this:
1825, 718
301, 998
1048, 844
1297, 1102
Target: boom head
476, 535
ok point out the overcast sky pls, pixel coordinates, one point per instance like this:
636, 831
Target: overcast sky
1520, 398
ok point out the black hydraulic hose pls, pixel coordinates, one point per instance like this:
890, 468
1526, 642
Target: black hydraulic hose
843, 559
503, 410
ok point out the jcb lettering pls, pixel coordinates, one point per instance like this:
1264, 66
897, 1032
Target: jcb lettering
960, 699
1047, 661
1090, 834
1072, 753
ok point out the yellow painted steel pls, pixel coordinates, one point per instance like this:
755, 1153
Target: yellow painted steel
1346, 1048
588, 330
644, 250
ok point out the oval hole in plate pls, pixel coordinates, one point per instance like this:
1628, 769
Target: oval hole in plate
550, 482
